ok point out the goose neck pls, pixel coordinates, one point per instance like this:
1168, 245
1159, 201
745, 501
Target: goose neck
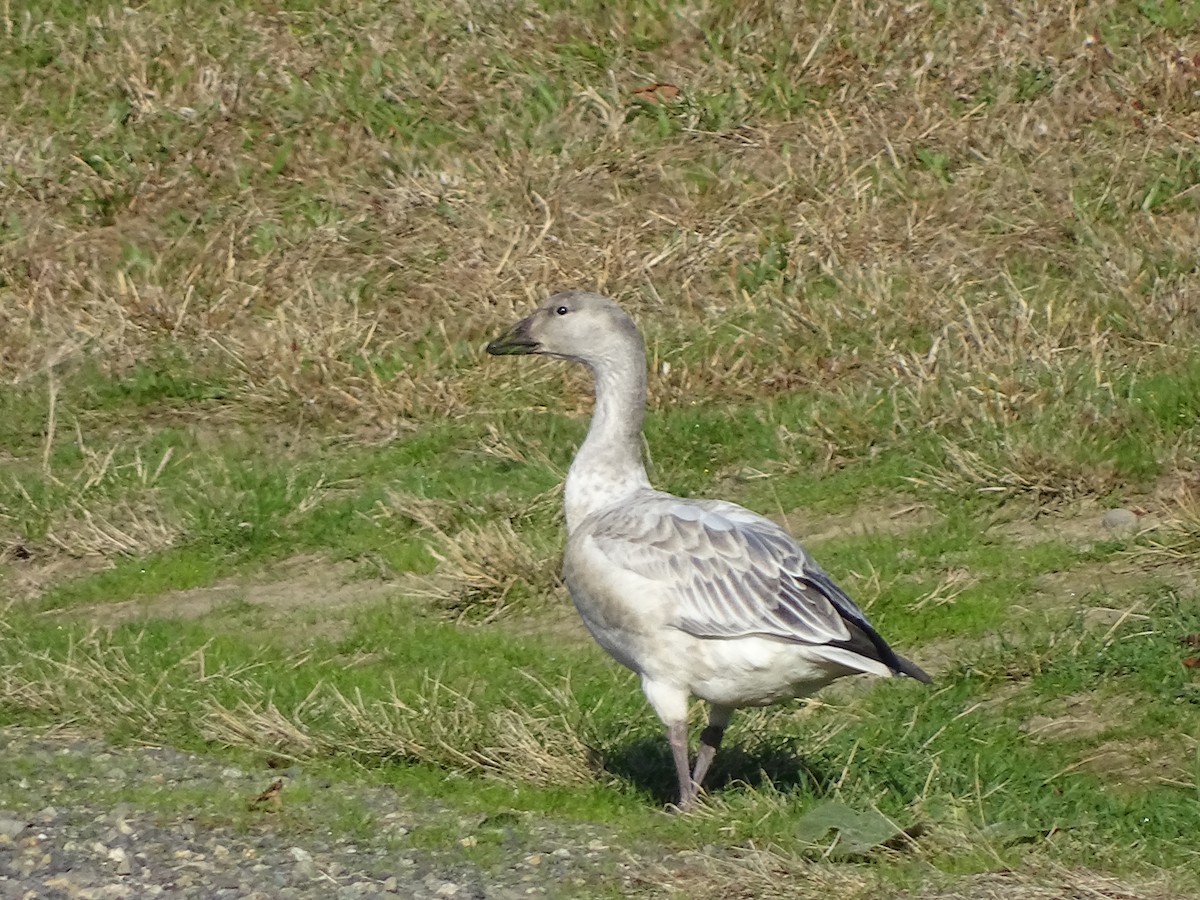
608, 466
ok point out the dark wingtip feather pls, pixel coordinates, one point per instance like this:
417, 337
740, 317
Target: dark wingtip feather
912, 670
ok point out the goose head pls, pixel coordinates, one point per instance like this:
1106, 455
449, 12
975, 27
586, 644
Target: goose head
574, 325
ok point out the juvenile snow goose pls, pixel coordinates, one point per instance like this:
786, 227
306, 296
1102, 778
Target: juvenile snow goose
698, 597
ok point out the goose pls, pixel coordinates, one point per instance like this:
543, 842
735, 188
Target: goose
700, 598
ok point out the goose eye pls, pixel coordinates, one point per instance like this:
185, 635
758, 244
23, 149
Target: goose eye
562, 310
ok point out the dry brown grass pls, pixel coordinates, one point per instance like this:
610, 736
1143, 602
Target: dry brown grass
768, 873
539, 746
94, 686
106, 506
1180, 537
981, 204
479, 566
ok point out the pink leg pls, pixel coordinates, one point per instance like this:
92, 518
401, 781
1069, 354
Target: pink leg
677, 735
710, 742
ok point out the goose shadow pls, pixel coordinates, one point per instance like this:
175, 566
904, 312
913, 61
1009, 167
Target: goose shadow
646, 764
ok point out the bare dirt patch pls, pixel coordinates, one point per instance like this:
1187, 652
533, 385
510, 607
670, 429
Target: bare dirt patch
1124, 763
277, 593
22, 580
1169, 759
1076, 716
869, 519
1118, 582
1080, 524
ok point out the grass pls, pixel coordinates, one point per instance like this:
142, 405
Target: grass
918, 280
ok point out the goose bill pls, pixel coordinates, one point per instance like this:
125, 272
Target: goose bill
516, 341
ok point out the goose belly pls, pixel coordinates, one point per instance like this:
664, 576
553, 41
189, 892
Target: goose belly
756, 671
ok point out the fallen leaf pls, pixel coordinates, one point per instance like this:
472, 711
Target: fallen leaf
658, 92
858, 831
270, 795
1192, 662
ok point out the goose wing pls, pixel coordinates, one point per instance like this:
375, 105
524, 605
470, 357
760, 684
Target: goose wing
732, 573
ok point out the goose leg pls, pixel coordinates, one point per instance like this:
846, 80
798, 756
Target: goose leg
710, 741
671, 703
677, 737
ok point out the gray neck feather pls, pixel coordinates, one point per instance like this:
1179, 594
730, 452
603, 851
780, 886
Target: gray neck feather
608, 466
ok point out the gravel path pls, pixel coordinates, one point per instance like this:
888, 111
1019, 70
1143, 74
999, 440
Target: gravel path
79, 819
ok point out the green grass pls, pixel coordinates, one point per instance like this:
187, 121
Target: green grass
940, 758
915, 279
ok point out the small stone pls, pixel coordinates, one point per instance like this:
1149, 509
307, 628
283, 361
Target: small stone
121, 858
562, 853
392, 885
597, 845
232, 773
1121, 521
11, 827
534, 859
446, 889
305, 866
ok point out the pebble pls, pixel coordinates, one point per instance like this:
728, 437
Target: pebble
305, 866
10, 827
1120, 520
80, 849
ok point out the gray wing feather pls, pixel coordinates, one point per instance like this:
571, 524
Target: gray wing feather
731, 573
